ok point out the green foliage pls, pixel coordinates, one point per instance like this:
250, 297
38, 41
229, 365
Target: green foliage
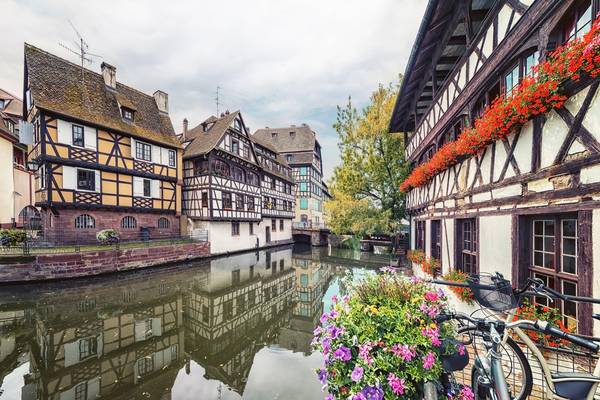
12, 237
108, 236
383, 339
365, 187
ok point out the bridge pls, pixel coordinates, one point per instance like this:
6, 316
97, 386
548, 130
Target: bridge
317, 234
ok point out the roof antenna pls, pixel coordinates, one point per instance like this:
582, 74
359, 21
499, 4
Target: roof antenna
82, 50
217, 100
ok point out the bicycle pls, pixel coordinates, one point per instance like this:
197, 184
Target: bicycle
488, 379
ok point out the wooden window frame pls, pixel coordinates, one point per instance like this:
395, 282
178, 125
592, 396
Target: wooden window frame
143, 151
250, 205
128, 222
462, 251
235, 228
163, 223
91, 183
239, 201
204, 199
84, 221
281, 225
436, 239
172, 158
78, 139
420, 231
273, 225
229, 204
147, 187
251, 228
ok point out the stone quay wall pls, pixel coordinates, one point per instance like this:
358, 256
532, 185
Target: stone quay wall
88, 263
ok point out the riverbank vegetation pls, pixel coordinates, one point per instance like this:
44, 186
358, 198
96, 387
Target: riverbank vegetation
366, 199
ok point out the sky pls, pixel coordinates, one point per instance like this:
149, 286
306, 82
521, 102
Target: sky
280, 62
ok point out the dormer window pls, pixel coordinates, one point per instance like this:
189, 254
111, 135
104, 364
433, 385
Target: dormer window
289, 157
292, 134
127, 113
10, 125
238, 125
2, 104
273, 134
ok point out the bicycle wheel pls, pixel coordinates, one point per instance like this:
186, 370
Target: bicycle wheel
480, 392
517, 370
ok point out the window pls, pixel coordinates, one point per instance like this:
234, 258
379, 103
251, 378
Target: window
529, 62
221, 168
205, 315
145, 366
147, 189
127, 113
252, 179
554, 260
18, 156
235, 229
235, 277
2, 104
143, 151
303, 171
81, 391
304, 204
273, 225
238, 174
200, 167
10, 125
239, 201
281, 264
280, 224
228, 310
204, 199
245, 151
436, 239
273, 184
172, 158
289, 157
226, 199
128, 222
85, 221
86, 180
466, 235
87, 347
251, 228
580, 22
235, 147
274, 134
511, 80
250, 203
163, 223
304, 186
420, 235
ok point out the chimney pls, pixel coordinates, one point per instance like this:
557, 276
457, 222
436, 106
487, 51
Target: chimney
226, 112
185, 128
109, 73
162, 101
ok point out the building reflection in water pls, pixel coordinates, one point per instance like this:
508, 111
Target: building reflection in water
129, 336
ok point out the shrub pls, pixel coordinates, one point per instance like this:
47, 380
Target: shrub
463, 293
382, 341
12, 237
108, 236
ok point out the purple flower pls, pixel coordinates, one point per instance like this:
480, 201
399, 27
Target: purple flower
357, 374
429, 360
396, 384
326, 344
329, 397
389, 269
333, 314
372, 393
342, 353
334, 331
359, 396
323, 318
322, 375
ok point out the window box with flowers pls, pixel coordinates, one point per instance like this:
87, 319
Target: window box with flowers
429, 265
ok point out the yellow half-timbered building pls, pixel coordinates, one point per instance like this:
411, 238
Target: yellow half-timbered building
107, 153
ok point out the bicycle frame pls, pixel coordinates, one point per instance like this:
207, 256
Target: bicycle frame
542, 360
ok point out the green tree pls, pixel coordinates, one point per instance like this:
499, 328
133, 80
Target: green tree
365, 187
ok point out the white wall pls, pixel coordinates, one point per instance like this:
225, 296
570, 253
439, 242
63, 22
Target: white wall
447, 245
6, 176
495, 245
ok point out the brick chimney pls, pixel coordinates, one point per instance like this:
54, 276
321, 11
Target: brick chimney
109, 73
185, 128
162, 101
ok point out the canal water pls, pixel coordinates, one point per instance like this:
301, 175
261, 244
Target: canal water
228, 328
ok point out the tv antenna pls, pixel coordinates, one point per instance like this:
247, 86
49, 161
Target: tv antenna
217, 100
81, 51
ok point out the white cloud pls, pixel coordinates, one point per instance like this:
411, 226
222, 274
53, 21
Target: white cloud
280, 61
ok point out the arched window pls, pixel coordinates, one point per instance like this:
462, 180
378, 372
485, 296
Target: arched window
85, 221
128, 222
29, 218
163, 223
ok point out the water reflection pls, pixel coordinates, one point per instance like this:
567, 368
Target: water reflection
224, 328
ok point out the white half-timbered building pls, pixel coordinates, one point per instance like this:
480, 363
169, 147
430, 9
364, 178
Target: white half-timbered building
222, 193
526, 206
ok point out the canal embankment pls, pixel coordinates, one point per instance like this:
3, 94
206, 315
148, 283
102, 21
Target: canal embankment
52, 266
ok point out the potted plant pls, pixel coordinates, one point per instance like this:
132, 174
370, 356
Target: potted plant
108, 236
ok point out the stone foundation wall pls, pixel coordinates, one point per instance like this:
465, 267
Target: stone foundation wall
60, 228
73, 265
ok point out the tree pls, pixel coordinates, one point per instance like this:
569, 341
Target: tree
365, 187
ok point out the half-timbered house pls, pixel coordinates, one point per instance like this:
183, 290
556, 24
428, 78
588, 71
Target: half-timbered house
222, 192
278, 190
107, 153
301, 150
524, 206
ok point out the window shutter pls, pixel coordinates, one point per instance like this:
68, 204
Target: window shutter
138, 186
98, 183
71, 353
93, 388
90, 137
100, 344
133, 154
69, 177
155, 154
65, 133
164, 156
156, 327
155, 189
140, 331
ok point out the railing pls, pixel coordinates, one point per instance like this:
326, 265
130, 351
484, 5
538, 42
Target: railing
309, 225
39, 245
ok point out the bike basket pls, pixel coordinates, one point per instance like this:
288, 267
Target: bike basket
493, 292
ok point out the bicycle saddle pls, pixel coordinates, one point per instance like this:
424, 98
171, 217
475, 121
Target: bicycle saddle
573, 385
596, 316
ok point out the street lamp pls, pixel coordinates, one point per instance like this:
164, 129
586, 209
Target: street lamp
33, 165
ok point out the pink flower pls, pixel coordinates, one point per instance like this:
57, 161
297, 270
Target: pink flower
461, 349
404, 351
431, 296
396, 384
433, 334
364, 353
357, 373
429, 360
